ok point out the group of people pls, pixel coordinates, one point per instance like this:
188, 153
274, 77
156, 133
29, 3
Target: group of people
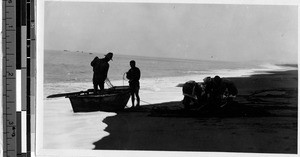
212, 92
101, 67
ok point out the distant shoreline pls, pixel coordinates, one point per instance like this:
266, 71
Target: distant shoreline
289, 65
166, 58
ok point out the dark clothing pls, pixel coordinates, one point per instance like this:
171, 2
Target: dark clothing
208, 86
134, 75
192, 89
100, 68
192, 92
211, 93
231, 88
219, 90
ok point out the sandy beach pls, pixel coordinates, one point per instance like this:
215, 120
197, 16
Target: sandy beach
266, 122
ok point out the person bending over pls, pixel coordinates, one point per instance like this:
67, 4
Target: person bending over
100, 68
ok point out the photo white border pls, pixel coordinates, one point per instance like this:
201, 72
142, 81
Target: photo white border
40, 152
39, 73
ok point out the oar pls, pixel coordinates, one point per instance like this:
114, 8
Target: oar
67, 94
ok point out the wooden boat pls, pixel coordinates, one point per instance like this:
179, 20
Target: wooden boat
110, 100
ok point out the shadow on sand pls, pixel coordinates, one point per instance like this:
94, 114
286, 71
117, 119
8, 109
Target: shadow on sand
169, 127
264, 121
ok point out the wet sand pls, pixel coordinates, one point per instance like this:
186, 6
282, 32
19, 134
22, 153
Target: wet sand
266, 122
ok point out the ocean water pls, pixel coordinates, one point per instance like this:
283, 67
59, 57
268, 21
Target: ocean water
66, 71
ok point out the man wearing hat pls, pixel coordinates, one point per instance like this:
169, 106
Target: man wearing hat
100, 68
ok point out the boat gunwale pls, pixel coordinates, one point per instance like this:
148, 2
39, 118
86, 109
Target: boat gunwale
107, 93
97, 95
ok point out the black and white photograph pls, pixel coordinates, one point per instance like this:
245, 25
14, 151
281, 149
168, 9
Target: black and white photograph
168, 77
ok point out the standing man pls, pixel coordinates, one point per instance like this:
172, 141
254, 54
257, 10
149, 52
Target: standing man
134, 75
100, 68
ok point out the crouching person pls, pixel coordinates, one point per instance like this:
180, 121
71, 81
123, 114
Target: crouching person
231, 90
222, 91
192, 92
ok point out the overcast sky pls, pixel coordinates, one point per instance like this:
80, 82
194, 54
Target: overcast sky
192, 31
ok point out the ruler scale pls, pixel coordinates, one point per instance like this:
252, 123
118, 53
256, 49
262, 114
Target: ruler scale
9, 79
30, 72
28, 37
18, 82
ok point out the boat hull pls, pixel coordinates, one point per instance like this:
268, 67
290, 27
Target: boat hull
109, 101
